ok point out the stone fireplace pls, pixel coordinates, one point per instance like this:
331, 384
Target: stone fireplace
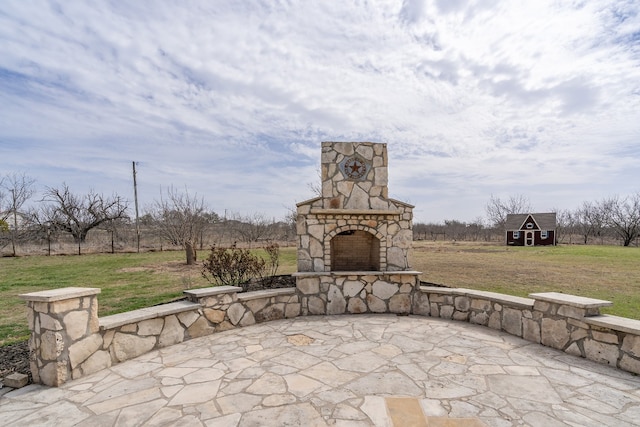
354, 233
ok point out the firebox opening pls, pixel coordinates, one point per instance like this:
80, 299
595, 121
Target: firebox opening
355, 250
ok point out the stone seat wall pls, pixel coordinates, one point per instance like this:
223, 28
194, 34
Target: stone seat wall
565, 322
68, 340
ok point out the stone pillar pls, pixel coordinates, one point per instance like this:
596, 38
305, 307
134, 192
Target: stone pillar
563, 325
57, 319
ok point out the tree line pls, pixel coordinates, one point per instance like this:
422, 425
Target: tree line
178, 218
183, 219
615, 218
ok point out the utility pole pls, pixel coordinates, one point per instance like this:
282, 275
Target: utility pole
135, 197
14, 203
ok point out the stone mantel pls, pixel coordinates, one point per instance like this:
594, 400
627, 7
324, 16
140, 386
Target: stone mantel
376, 212
356, 273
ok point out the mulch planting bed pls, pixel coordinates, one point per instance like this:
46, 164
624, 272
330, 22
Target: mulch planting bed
15, 358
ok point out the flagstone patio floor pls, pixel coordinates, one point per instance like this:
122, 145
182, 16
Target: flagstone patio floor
358, 370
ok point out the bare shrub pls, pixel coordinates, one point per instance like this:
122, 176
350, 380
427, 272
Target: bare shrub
273, 253
232, 266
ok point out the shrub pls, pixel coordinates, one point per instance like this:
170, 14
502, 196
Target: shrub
236, 267
273, 252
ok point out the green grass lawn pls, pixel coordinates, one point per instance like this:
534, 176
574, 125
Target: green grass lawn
130, 281
605, 272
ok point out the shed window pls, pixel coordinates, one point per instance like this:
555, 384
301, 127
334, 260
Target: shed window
516, 234
544, 234
529, 225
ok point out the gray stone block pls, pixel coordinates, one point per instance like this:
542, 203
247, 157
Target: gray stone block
512, 321
16, 380
554, 333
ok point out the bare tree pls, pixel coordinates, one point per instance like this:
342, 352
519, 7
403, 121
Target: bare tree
451, 229
3, 213
316, 186
114, 228
40, 226
623, 216
5, 237
179, 218
437, 231
15, 190
252, 228
566, 222
209, 220
498, 209
420, 231
78, 215
590, 220
456, 230
476, 229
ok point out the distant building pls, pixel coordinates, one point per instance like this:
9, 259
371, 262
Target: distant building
533, 229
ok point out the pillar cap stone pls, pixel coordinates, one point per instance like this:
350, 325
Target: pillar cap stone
211, 291
59, 294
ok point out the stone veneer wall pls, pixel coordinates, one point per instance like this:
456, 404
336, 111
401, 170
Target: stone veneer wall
69, 341
357, 292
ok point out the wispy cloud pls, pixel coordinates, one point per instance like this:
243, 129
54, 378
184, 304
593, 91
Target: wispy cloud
233, 99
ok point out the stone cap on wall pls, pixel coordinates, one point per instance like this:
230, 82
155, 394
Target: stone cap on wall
216, 290
59, 294
115, 320
623, 324
570, 300
267, 293
492, 296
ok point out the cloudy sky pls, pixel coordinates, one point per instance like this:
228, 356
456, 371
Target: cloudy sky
231, 99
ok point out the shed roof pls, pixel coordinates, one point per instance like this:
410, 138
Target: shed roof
546, 221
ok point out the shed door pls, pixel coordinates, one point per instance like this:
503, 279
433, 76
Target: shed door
528, 238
